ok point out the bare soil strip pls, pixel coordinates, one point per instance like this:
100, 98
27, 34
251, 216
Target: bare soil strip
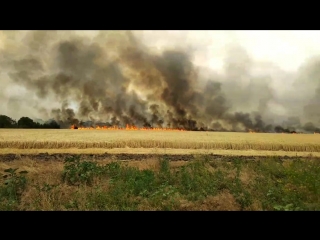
154, 151
133, 157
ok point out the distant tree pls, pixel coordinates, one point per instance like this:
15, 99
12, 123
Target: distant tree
278, 129
52, 124
26, 122
7, 122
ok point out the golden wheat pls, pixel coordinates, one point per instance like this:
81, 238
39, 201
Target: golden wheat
81, 139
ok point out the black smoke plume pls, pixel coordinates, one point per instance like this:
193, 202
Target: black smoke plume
113, 79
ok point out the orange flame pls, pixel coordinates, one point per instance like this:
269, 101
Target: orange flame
127, 128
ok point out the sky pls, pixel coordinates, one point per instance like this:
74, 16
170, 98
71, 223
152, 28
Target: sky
287, 49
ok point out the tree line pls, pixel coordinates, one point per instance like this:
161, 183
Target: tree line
25, 122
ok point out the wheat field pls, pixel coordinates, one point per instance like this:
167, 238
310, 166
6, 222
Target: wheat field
110, 139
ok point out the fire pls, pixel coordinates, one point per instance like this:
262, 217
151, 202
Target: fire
251, 131
127, 128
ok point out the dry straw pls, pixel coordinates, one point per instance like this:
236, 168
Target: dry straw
64, 139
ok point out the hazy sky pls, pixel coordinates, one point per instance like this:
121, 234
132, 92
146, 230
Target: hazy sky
287, 49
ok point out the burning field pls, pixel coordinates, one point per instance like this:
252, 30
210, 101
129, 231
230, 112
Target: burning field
128, 127
133, 95
115, 79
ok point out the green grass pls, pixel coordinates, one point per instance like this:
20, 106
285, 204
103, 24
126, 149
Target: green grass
204, 184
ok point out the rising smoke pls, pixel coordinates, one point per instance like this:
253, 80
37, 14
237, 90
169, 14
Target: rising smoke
113, 79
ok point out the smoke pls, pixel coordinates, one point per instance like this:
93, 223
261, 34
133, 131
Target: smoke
113, 78
312, 81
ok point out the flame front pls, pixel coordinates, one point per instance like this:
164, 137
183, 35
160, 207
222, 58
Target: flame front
127, 128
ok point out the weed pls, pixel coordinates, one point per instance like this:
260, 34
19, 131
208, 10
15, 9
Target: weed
13, 186
195, 181
164, 175
78, 172
268, 184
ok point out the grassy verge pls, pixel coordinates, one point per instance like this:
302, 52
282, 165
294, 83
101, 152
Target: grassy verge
158, 184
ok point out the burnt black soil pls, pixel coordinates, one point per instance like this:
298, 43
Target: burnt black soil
137, 157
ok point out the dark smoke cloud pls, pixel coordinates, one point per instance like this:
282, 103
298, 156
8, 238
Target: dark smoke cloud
308, 87
115, 80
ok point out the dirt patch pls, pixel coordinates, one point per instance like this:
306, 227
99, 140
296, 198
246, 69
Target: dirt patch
247, 175
221, 202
